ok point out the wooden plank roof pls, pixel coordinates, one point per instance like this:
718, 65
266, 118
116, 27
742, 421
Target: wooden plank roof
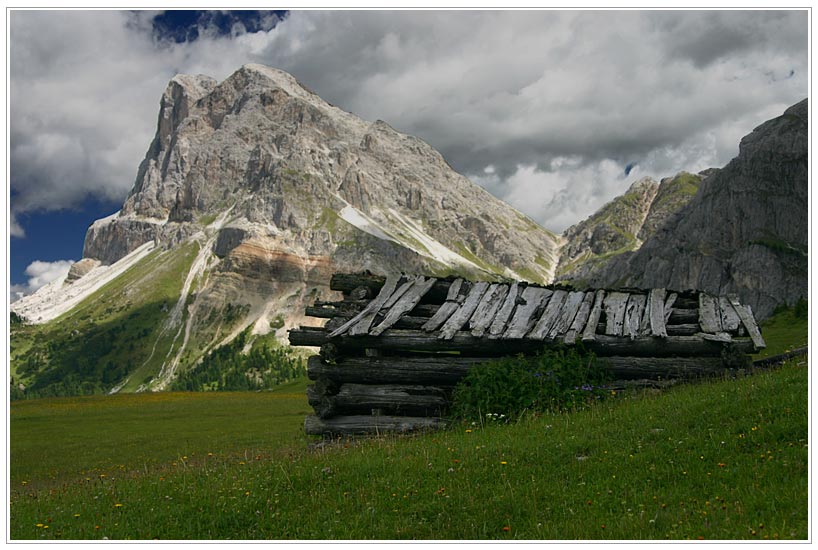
517, 310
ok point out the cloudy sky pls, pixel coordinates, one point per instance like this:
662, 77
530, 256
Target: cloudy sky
555, 112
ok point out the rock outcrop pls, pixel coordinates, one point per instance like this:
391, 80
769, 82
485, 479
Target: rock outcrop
610, 231
744, 232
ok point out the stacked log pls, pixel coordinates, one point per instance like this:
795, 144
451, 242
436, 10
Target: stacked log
394, 348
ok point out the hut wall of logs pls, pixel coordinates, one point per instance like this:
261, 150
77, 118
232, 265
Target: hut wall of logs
393, 349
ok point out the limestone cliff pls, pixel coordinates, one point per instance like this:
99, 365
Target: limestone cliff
744, 232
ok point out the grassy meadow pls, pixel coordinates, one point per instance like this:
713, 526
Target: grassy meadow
721, 459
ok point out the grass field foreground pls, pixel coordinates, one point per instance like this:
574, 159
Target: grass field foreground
716, 460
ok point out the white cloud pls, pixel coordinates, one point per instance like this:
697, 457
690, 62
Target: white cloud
518, 91
39, 274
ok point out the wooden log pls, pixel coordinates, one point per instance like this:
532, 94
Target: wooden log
615, 304
370, 425
589, 332
717, 337
487, 309
633, 315
745, 313
346, 282
549, 315
634, 368
360, 323
464, 312
464, 343
436, 370
454, 298
580, 318
683, 316
445, 372
498, 325
406, 303
526, 313
709, 314
392, 399
682, 330
361, 293
730, 320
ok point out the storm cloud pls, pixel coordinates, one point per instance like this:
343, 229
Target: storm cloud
545, 109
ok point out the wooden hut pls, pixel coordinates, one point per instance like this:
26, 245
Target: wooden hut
395, 346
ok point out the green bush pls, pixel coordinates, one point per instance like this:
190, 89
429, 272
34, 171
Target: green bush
553, 380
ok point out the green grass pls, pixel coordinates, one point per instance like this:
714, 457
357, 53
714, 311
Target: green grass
719, 460
66, 439
784, 331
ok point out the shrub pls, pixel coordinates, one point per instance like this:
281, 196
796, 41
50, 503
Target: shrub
553, 380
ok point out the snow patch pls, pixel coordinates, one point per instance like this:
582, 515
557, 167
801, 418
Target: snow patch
56, 298
355, 217
434, 249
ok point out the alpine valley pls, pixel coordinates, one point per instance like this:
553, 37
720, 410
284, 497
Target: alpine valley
255, 190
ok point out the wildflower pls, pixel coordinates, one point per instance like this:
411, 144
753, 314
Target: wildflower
117, 505
76, 515
468, 431
506, 528
503, 462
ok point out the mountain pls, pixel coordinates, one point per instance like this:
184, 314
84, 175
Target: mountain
745, 231
622, 225
252, 192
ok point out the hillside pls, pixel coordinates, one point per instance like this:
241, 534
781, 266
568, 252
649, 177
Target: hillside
252, 192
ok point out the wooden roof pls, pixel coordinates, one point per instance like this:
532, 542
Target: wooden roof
520, 311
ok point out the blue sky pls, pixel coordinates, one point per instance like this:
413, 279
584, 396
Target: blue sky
555, 112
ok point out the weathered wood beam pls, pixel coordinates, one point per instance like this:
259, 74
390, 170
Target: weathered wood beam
549, 315
589, 332
615, 304
392, 399
437, 370
657, 313
498, 325
709, 314
634, 368
682, 316
532, 300
445, 372
361, 322
746, 315
464, 343
633, 315
487, 309
580, 318
464, 312
404, 304
370, 425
